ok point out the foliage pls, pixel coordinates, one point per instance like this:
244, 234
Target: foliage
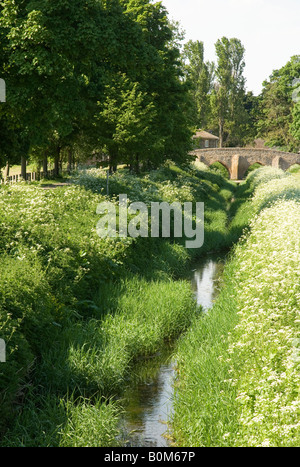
69, 69
266, 337
218, 97
220, 168
77, 310
199, 76
294, 169
126, 118
263, 175
238, 365
295, 126
229, 93
279, 111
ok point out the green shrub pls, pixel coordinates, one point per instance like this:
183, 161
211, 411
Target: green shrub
220, 169
25, 316
294, 169
263, 175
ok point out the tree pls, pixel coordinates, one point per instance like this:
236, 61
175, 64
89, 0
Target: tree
279, 111
125, 122
61, 57
199, 76
160, 81
229, 90
295, 126
55, 57
253, 112
12, 139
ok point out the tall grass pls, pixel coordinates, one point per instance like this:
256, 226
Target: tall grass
77, 311
238, 365
202, 405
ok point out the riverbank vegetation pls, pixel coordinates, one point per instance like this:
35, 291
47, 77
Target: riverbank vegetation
78, 310
238, 366
108, 84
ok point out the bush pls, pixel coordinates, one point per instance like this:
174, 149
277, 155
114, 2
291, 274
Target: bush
25, 316
263, 175
294, 169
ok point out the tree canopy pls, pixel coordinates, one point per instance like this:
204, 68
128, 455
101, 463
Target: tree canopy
106, 72
114, 78
220, 101
279, 123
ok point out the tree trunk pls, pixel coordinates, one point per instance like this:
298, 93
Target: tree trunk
45, 165
38, 170
112, 164
56, 162
23, 167
70, 160
137, 164
6, 173
221, 131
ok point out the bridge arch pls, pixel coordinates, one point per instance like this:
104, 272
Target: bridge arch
253, 166
294, 167
238, 160
223, 164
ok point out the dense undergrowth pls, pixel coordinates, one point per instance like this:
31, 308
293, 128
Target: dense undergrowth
76, 310
238, 365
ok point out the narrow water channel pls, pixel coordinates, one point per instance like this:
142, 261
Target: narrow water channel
148, 401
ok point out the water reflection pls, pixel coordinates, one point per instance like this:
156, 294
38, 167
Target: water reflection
148, 401
205, 281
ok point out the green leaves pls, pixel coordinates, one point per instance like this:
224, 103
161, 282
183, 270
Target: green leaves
66, 60
127, 115
199, 78
229, 92
218, 97
279, 121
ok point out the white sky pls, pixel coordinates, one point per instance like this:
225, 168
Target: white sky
268, 29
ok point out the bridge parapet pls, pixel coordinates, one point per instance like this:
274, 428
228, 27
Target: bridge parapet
238, 160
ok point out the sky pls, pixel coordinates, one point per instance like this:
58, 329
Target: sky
268, 29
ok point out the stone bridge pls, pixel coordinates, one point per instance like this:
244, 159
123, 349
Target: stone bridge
238, 160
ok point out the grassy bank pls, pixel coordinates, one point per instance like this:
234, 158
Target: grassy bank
238, 366
77, 310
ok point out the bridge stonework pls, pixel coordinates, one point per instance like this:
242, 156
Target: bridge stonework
238, 160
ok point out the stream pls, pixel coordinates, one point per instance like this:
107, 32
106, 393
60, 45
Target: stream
148, 400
